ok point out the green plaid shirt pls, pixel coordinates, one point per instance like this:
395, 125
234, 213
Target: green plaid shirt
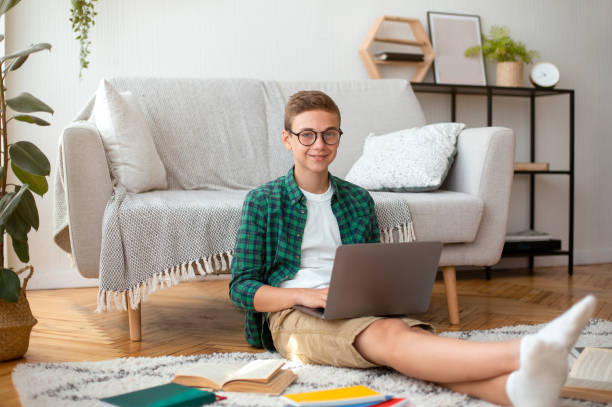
269, 241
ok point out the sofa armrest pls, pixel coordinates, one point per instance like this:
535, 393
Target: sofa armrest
88, 188
484, 167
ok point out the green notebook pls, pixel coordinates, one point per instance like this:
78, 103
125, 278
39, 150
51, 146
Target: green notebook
166, 395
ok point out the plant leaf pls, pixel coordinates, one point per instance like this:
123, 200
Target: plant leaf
36, 183
16, 64
33, 48
27, 103
1, 173
21, 249
17, 228
9, 203
31, 119
28, 157
1, 37
10, 286
27, 211
6, 5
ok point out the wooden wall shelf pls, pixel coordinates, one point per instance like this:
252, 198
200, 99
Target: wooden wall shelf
421, 40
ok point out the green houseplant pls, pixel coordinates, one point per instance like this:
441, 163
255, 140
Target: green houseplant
508, 53
18, 211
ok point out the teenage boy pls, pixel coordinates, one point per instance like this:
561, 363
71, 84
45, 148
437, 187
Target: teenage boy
290, 229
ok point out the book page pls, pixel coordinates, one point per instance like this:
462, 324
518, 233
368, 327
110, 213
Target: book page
593, 364
257, 370
218, 373
588, 384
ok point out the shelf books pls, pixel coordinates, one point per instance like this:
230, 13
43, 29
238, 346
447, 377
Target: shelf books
527, 236
590, 377
258, 376
531, 167
344, 396
167, 395
399, 56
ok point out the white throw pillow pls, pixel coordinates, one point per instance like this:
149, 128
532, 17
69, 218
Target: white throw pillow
411, 160
127, 140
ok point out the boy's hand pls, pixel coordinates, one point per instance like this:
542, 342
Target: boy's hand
312, 297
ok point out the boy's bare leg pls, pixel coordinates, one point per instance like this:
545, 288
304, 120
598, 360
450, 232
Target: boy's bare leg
420, 354
492, 390
537, 363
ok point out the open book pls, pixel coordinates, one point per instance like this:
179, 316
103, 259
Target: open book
258, 376
590, 377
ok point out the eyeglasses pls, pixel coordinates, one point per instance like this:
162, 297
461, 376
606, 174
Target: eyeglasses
309, 137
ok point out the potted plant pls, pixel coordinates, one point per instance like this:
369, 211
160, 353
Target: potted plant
18, 212
508, 54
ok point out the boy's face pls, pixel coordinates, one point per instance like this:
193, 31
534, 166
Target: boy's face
316, 157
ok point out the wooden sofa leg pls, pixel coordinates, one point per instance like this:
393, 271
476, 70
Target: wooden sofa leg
450, 284
134, 320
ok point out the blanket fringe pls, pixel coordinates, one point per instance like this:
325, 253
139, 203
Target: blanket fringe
405, 233
215, 264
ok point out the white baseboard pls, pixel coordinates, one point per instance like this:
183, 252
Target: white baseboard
67, 278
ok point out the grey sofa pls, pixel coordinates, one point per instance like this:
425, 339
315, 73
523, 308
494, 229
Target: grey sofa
468, 214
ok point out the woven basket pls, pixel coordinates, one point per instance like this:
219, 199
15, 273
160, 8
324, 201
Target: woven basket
16, 322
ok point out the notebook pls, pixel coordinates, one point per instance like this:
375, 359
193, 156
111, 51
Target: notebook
343, 396
166, 395
375, 279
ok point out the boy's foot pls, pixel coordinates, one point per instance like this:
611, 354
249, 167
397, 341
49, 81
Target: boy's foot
566, 328
542, 373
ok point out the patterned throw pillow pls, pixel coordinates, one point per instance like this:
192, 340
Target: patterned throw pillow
411, 160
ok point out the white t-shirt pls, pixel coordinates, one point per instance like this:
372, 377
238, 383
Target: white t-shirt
319, 243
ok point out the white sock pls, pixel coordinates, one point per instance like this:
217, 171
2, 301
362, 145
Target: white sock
542, 373
566, 328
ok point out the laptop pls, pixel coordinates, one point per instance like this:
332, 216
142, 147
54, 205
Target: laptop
376, 279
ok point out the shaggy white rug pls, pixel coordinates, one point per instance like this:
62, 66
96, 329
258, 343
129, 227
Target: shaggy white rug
83, 383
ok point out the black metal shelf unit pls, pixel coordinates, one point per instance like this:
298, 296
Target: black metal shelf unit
532, 94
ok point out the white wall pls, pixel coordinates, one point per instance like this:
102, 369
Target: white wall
313, 40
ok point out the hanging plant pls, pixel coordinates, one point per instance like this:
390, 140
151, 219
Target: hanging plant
83, 17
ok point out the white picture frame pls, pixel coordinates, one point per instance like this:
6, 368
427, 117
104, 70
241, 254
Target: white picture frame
451, 34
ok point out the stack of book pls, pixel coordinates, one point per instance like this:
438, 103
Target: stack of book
530, 240
399, 56
355, 396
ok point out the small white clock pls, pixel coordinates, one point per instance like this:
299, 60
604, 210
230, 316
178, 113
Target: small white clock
544, 74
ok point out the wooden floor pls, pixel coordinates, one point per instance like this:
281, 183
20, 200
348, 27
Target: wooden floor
198, 317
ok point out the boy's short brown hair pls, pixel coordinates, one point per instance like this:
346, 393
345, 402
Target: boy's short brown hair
306, 100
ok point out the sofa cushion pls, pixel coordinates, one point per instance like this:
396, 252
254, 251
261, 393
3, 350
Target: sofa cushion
410, 160
447, 216
134, 160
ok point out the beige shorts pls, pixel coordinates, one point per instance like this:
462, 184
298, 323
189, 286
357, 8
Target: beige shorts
302, 337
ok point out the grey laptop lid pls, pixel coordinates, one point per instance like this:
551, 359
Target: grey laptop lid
380, 279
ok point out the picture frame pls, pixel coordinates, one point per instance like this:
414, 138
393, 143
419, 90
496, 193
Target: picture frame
451, 34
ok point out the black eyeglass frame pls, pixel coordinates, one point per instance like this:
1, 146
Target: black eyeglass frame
316, 133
